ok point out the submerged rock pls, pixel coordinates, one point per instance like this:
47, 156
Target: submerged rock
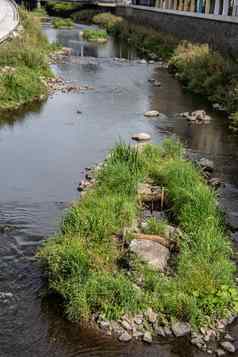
228, 346
153, 253
206, 164
220, 352
160, 331
152, 113
198, 116
147, 337
125, 337
181, 328
141, 137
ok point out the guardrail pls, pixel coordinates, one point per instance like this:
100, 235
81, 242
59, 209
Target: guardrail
16, 19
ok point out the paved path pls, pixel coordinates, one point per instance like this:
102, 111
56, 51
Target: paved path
8, 18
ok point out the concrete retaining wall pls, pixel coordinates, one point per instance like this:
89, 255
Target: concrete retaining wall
220, 32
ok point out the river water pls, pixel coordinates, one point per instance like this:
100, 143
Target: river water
44, 151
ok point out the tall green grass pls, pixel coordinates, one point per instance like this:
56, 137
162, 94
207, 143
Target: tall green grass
84, 260
27, 57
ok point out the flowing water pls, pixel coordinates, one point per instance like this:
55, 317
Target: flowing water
44, 151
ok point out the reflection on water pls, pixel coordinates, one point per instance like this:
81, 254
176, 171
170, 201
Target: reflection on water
43, 154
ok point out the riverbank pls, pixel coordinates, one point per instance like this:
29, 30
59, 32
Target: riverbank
24, 65
140, 203
201, 70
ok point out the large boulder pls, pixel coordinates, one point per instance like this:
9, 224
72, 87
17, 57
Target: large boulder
153, 253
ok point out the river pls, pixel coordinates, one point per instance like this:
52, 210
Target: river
44, 151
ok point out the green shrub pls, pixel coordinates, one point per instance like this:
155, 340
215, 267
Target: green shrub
95, 35
107, 21
84, 16
61, 8
59, 23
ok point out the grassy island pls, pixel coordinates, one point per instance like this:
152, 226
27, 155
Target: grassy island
89, 263
24, 65
95, 35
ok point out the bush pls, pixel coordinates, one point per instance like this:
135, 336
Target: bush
84, 16
59, 23
107, 21
63, 9
95, 35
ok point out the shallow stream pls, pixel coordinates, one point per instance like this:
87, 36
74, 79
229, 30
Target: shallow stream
44, 151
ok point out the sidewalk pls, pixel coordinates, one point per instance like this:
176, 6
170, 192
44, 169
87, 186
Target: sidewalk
8, 18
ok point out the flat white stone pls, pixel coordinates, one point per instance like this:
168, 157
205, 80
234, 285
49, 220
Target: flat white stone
141, 137
151, 113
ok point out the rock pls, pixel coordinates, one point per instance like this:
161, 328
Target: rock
228, 337
125, 337
138, 319
143, 61
137, 334
215, 182
228, 346
141, 137
116, 328
79, 112
151, 113
148, 193
220, 352
160, 331
181, 328
147, 337
206, 164
126, 325
104, 324
151, 315
153, 253
218, 106
167, 330
157, 84
198, 116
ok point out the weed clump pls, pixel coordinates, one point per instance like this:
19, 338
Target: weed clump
107, 21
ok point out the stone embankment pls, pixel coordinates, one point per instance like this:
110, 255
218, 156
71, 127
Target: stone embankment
9, 19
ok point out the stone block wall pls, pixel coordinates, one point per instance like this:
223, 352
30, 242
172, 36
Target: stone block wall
220, 32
